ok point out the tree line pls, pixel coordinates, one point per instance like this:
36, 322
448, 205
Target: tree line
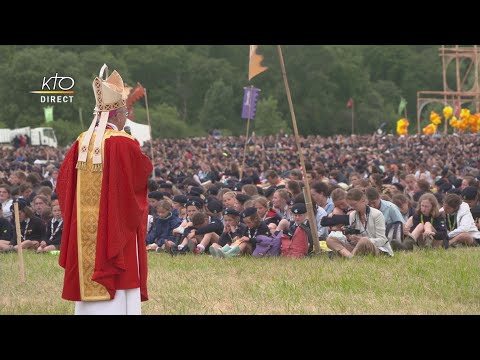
195, 88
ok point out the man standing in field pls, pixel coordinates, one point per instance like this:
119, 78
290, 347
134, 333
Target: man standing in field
102, 190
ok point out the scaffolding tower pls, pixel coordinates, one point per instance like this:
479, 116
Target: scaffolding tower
459, 96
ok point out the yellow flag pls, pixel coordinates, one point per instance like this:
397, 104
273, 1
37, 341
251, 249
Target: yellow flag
255, 67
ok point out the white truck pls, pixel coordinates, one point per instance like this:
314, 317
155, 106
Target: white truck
41, 136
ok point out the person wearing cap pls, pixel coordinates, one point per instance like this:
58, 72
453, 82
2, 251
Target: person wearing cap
166, 187
212, 190
246, 244
102, 189
299, 214
209, 232
154, 198
232, 231
461, 227
53, 236
191, 240
193, 206
178, 202
32, 228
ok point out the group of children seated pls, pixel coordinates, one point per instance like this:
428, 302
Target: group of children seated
190, 225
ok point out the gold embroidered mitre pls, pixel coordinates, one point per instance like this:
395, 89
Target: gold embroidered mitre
110, 94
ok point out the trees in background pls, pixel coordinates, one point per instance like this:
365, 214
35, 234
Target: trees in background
195, 88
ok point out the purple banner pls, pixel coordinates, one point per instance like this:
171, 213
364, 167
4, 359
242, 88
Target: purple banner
249, 102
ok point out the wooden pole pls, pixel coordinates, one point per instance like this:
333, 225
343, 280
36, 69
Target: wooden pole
308, 197
245, 148
150, 129
459, 86
477, 89
444, 85
19, 242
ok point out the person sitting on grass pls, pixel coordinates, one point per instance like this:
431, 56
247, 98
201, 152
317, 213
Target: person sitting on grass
6, 232
53, 237
368, 224
246, 244
209, 233
335, 221
459, 220
232, 231
32, 228
191, 240
191, 207
426, 227
299, 247
163, 226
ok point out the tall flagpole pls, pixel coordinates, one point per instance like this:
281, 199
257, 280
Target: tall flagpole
150, 129
308, 197
245, 148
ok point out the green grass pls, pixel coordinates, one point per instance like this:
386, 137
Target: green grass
421, 282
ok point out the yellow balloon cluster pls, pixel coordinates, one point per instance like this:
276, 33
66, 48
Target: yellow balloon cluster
447, 112
402, 126
467, 121
430, 129
435, 118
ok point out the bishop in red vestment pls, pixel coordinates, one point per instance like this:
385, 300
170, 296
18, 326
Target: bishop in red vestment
102, 190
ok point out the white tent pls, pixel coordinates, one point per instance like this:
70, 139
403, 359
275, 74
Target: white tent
139, 131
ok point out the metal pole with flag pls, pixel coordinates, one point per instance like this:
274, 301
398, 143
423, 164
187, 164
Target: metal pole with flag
308, 195
250, 98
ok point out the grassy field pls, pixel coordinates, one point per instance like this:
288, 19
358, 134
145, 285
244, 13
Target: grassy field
422, 282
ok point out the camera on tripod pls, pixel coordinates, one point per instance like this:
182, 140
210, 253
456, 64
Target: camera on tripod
350, 230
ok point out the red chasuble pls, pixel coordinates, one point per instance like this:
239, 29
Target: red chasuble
105, 219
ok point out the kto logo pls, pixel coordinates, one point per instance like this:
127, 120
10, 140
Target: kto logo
56, 89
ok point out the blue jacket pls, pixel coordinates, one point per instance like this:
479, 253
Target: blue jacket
162, 229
